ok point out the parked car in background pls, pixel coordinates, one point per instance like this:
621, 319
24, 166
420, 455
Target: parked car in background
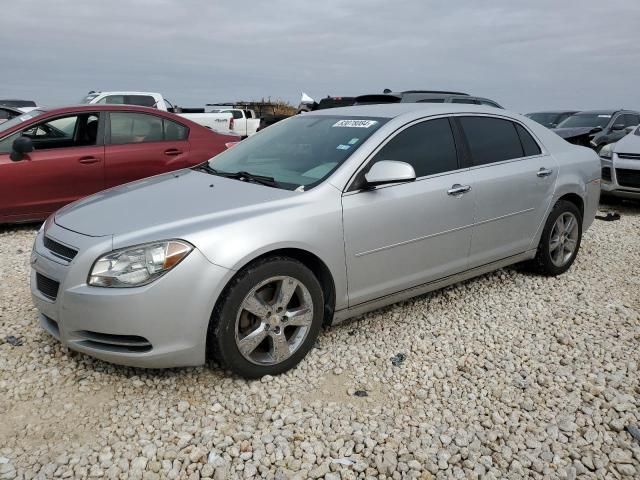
308, 104
409, 96
245, 122
424, 96
219, 121
7, 113
621, 166
49, 158
552, 118
319, 218
596, 128
20, 104
268, 112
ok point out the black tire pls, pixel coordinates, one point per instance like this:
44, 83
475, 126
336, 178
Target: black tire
221, 336
542, 262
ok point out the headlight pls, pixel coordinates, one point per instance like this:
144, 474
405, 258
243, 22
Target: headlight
606, 151
139, 265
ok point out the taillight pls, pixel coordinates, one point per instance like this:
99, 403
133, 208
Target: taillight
231, 123
230, 145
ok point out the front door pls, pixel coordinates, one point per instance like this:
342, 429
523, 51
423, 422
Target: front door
67, 164
403, 235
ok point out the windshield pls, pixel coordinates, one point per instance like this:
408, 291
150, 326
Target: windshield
586, 120
549, 120
299, 152
18, 120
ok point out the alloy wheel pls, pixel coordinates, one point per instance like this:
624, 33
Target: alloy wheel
564, 239
273, 320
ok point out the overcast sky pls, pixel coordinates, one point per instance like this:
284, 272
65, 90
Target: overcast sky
527, 55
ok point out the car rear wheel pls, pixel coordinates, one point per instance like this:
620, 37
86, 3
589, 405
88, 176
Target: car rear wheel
560, 240
267, 319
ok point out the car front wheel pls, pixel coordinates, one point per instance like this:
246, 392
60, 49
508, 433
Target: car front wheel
267, 318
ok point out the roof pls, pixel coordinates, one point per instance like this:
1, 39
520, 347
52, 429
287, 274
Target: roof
392, 110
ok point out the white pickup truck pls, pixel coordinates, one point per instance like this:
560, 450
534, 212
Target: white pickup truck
224, 120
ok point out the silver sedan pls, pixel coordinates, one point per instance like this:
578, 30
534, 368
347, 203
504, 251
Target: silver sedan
316, 219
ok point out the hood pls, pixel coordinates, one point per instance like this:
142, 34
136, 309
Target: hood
573, 132
173, 199
628, 144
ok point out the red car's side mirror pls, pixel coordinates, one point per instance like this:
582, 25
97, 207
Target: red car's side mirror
20, 148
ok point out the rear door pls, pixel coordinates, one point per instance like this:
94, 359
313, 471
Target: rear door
67, 164
402, 235
513, 182
141, 145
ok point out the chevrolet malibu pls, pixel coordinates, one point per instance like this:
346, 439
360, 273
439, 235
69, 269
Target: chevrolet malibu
324, 216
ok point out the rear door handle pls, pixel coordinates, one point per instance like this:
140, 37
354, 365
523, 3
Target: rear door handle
172, 152
458, 189
87, 160
544, 172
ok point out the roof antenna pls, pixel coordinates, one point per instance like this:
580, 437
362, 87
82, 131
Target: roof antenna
386, 90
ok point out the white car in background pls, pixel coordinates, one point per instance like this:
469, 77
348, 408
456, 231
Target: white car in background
621, 166
223, 120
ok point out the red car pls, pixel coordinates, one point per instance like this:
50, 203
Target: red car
49, 158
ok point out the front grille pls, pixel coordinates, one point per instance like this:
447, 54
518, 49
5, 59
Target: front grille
606, 173
628, 178
60, 250
114, 343
47, 286
629, 156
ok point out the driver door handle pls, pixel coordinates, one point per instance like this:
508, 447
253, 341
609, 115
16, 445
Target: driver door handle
172, 152
89, 159
544, 172
458, 189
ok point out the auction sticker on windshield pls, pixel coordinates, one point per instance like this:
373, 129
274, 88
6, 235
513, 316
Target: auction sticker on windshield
355, 123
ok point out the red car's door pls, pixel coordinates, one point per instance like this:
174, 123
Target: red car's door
67, 164
140, 145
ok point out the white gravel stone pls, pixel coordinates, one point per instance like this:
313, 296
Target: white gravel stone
510, 375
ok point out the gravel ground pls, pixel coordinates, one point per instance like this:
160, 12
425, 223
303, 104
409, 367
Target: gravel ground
506, 376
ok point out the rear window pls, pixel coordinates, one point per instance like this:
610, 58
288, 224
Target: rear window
491, 139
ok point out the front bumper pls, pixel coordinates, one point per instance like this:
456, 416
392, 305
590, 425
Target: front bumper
620, 177
163, 324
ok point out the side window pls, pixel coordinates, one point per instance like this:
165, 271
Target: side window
629, 120
529, 145
113, 100
428, 147
135, 128
174, 131
6, 144
72, 131
491, 139
236, 114
4, 115
141, 100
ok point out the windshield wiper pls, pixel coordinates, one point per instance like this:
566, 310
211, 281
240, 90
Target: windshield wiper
242, 175
250, 177
208, 169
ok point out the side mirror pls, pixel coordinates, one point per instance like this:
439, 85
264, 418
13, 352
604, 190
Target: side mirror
21, 147
389, 171
617, 126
